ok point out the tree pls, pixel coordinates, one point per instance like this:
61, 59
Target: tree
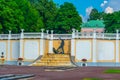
112, 22
94, 15
67, 18
18, 14
21, 14
48, 10
9, 19
32, 20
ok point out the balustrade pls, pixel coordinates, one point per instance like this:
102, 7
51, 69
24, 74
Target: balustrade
3, 36
62, 36
32, 35
15, 36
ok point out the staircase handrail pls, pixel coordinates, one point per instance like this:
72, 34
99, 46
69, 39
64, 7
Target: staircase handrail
38, 58
73, 62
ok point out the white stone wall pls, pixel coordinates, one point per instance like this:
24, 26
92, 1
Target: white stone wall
3, 48
83, 49
31, 49
15, 49
105, 50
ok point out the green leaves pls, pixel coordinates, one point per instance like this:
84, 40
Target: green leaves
67, 18
21, 14
9, 12
94, 15
18, 14
47, 10
112, 22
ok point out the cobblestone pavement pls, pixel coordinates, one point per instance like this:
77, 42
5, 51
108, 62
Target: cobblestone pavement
71, 74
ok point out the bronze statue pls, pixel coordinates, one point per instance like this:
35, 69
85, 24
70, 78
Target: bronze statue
60, 49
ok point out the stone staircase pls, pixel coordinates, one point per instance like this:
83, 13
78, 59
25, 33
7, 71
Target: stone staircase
54, 60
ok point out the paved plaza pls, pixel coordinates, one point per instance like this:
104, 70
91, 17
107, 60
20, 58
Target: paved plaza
70, 74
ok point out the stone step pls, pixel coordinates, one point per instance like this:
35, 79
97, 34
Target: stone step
54, 60
49, 60
57, 55
52, 64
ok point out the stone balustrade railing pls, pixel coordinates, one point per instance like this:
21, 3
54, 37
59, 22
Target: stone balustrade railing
15, 36
32, 35
3, 36
75, 34
62, 36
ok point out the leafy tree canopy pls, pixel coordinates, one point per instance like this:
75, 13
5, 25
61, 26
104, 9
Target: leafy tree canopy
47, 10
112, 22
32, 15
94, 15
18, 14
67, 18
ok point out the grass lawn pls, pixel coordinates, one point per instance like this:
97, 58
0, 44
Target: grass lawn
113, 71
92, 79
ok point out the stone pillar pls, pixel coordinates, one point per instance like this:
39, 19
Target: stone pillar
47, 34
76, 33
103, 34
73, 43
9, 54
51, 43
117, 46
42, 42
21, 44
51, 34
94, 47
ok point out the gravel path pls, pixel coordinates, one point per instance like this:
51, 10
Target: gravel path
75, 74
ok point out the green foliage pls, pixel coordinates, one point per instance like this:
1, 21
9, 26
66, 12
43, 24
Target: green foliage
48, 10
67, 18
112, 22
94, 15
18, 14
9, 19
32, 15
113, 71
32, 20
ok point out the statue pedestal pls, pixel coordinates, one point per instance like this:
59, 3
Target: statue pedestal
54, 60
